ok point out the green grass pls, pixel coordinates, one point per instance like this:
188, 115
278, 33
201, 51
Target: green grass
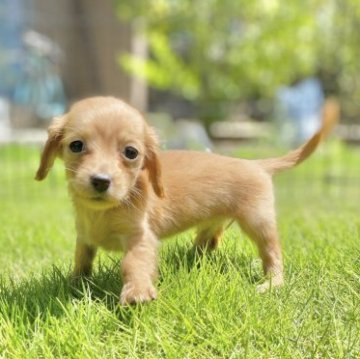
207, 307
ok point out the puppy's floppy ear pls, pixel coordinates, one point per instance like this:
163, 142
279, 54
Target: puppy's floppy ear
152, 163
51, 148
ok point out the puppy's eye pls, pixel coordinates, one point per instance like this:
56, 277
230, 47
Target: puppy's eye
77, 146
130, 152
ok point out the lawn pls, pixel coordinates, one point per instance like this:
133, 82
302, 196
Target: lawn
207, 306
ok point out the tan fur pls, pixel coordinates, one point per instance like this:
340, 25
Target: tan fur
160, 194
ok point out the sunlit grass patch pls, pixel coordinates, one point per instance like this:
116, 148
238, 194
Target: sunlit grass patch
207, 306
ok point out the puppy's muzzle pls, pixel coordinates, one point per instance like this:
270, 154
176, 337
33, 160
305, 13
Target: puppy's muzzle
100, 182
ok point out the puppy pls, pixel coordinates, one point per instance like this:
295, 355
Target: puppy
127, 194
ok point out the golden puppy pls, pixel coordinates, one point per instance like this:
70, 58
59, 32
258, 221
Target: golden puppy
127, 195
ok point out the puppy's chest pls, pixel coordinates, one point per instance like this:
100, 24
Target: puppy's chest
105, 231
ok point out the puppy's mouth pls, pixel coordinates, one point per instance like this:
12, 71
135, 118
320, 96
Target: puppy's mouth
98, 199
98, 202
103, 198
92, 199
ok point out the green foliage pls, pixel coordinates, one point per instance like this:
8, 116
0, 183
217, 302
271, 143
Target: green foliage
218, 51
157, 71
207, 306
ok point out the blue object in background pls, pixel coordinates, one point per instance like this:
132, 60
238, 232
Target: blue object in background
29, 64
11, 47
299, 110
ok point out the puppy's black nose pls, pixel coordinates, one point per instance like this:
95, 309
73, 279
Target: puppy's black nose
100, 182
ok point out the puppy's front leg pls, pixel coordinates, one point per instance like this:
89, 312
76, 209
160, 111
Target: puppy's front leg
139, 269
84, 257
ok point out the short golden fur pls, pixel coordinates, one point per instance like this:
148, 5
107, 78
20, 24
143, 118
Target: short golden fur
157, 194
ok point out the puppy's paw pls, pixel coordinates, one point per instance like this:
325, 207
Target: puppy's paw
269, 284
132, 293
264, 287
81, 272
77, 280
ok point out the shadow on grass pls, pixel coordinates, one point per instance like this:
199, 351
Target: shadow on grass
228, 258
48, 295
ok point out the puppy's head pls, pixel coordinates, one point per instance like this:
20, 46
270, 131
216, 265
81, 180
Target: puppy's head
105, 145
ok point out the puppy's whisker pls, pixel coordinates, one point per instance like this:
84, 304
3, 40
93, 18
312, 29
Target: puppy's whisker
129, 200
71, 169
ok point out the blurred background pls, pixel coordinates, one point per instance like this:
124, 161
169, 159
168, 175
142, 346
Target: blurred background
244, 78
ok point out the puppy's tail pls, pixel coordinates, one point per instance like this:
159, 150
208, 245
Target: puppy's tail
330, 117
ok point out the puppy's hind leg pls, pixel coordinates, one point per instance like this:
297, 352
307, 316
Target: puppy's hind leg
261, 227
209, 235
